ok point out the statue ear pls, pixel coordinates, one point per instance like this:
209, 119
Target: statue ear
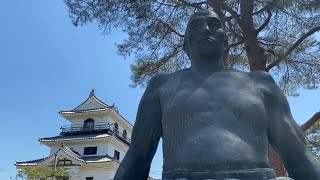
185, 46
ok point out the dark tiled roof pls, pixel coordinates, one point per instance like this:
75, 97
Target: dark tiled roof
38, 161
30, 163
99, 101
68, 151
74, 137
84, 111
95, 110
105, 158
71, 153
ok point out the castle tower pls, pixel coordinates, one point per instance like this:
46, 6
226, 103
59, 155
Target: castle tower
92, 145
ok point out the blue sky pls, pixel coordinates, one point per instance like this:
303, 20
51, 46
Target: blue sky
47, 65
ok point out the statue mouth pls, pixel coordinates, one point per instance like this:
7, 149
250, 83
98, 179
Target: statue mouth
208, 42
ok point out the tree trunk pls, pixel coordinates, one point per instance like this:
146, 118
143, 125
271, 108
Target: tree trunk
255, 53
276, 163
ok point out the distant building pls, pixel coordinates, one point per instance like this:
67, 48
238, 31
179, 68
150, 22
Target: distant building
92, 147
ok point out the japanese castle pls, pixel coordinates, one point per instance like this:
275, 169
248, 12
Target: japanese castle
92, 146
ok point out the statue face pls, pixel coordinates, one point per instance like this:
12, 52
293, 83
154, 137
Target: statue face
204, 35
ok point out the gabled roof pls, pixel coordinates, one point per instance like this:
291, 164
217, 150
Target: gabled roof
91, 103
63, 151
67, 153
70, 153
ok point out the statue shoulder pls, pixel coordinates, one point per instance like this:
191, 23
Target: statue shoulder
268, 84
156, 82
160, 79
263, 77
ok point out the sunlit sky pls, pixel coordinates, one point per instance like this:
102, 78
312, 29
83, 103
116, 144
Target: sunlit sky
47, 65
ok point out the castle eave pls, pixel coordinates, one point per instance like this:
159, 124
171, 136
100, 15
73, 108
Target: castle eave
64, 151
83, 112
73, 137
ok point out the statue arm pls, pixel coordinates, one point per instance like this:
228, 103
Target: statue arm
286, 137
146, 134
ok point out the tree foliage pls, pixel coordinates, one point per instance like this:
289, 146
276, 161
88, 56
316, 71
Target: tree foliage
313, 139
42, 173
270, 35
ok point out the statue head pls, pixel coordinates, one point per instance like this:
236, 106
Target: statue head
204, 36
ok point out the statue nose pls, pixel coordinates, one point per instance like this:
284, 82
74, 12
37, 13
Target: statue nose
206, 29
206, 26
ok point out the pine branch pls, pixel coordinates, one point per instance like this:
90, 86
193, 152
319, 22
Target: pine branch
75, 23
183, 3
236, 44
169, 27
230, 25
293, 47
195, 5
266, 22
268, 6
227, 8
310, 122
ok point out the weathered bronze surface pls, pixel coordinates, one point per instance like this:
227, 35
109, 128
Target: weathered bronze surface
216, 122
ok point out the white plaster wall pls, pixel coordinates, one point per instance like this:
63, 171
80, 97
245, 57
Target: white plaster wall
74, 172
101, 150
96, 173
98, 119
122, 154
54, 149
90, 104
78, 147
112, 147
111, 150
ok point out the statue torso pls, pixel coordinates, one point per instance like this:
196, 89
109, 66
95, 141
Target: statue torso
213, 122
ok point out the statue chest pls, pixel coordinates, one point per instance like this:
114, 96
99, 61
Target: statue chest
216, 100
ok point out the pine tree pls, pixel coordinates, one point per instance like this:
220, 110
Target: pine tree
270, 35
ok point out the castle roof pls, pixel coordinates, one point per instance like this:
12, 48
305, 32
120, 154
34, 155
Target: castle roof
67, 153
73, 137
92, 103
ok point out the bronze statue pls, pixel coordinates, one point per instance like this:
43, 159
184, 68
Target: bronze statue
216, 122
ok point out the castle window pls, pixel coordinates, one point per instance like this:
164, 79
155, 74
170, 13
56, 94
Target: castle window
116, 128
124, 134
116, 155
64, 162
88, 124
90, 150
